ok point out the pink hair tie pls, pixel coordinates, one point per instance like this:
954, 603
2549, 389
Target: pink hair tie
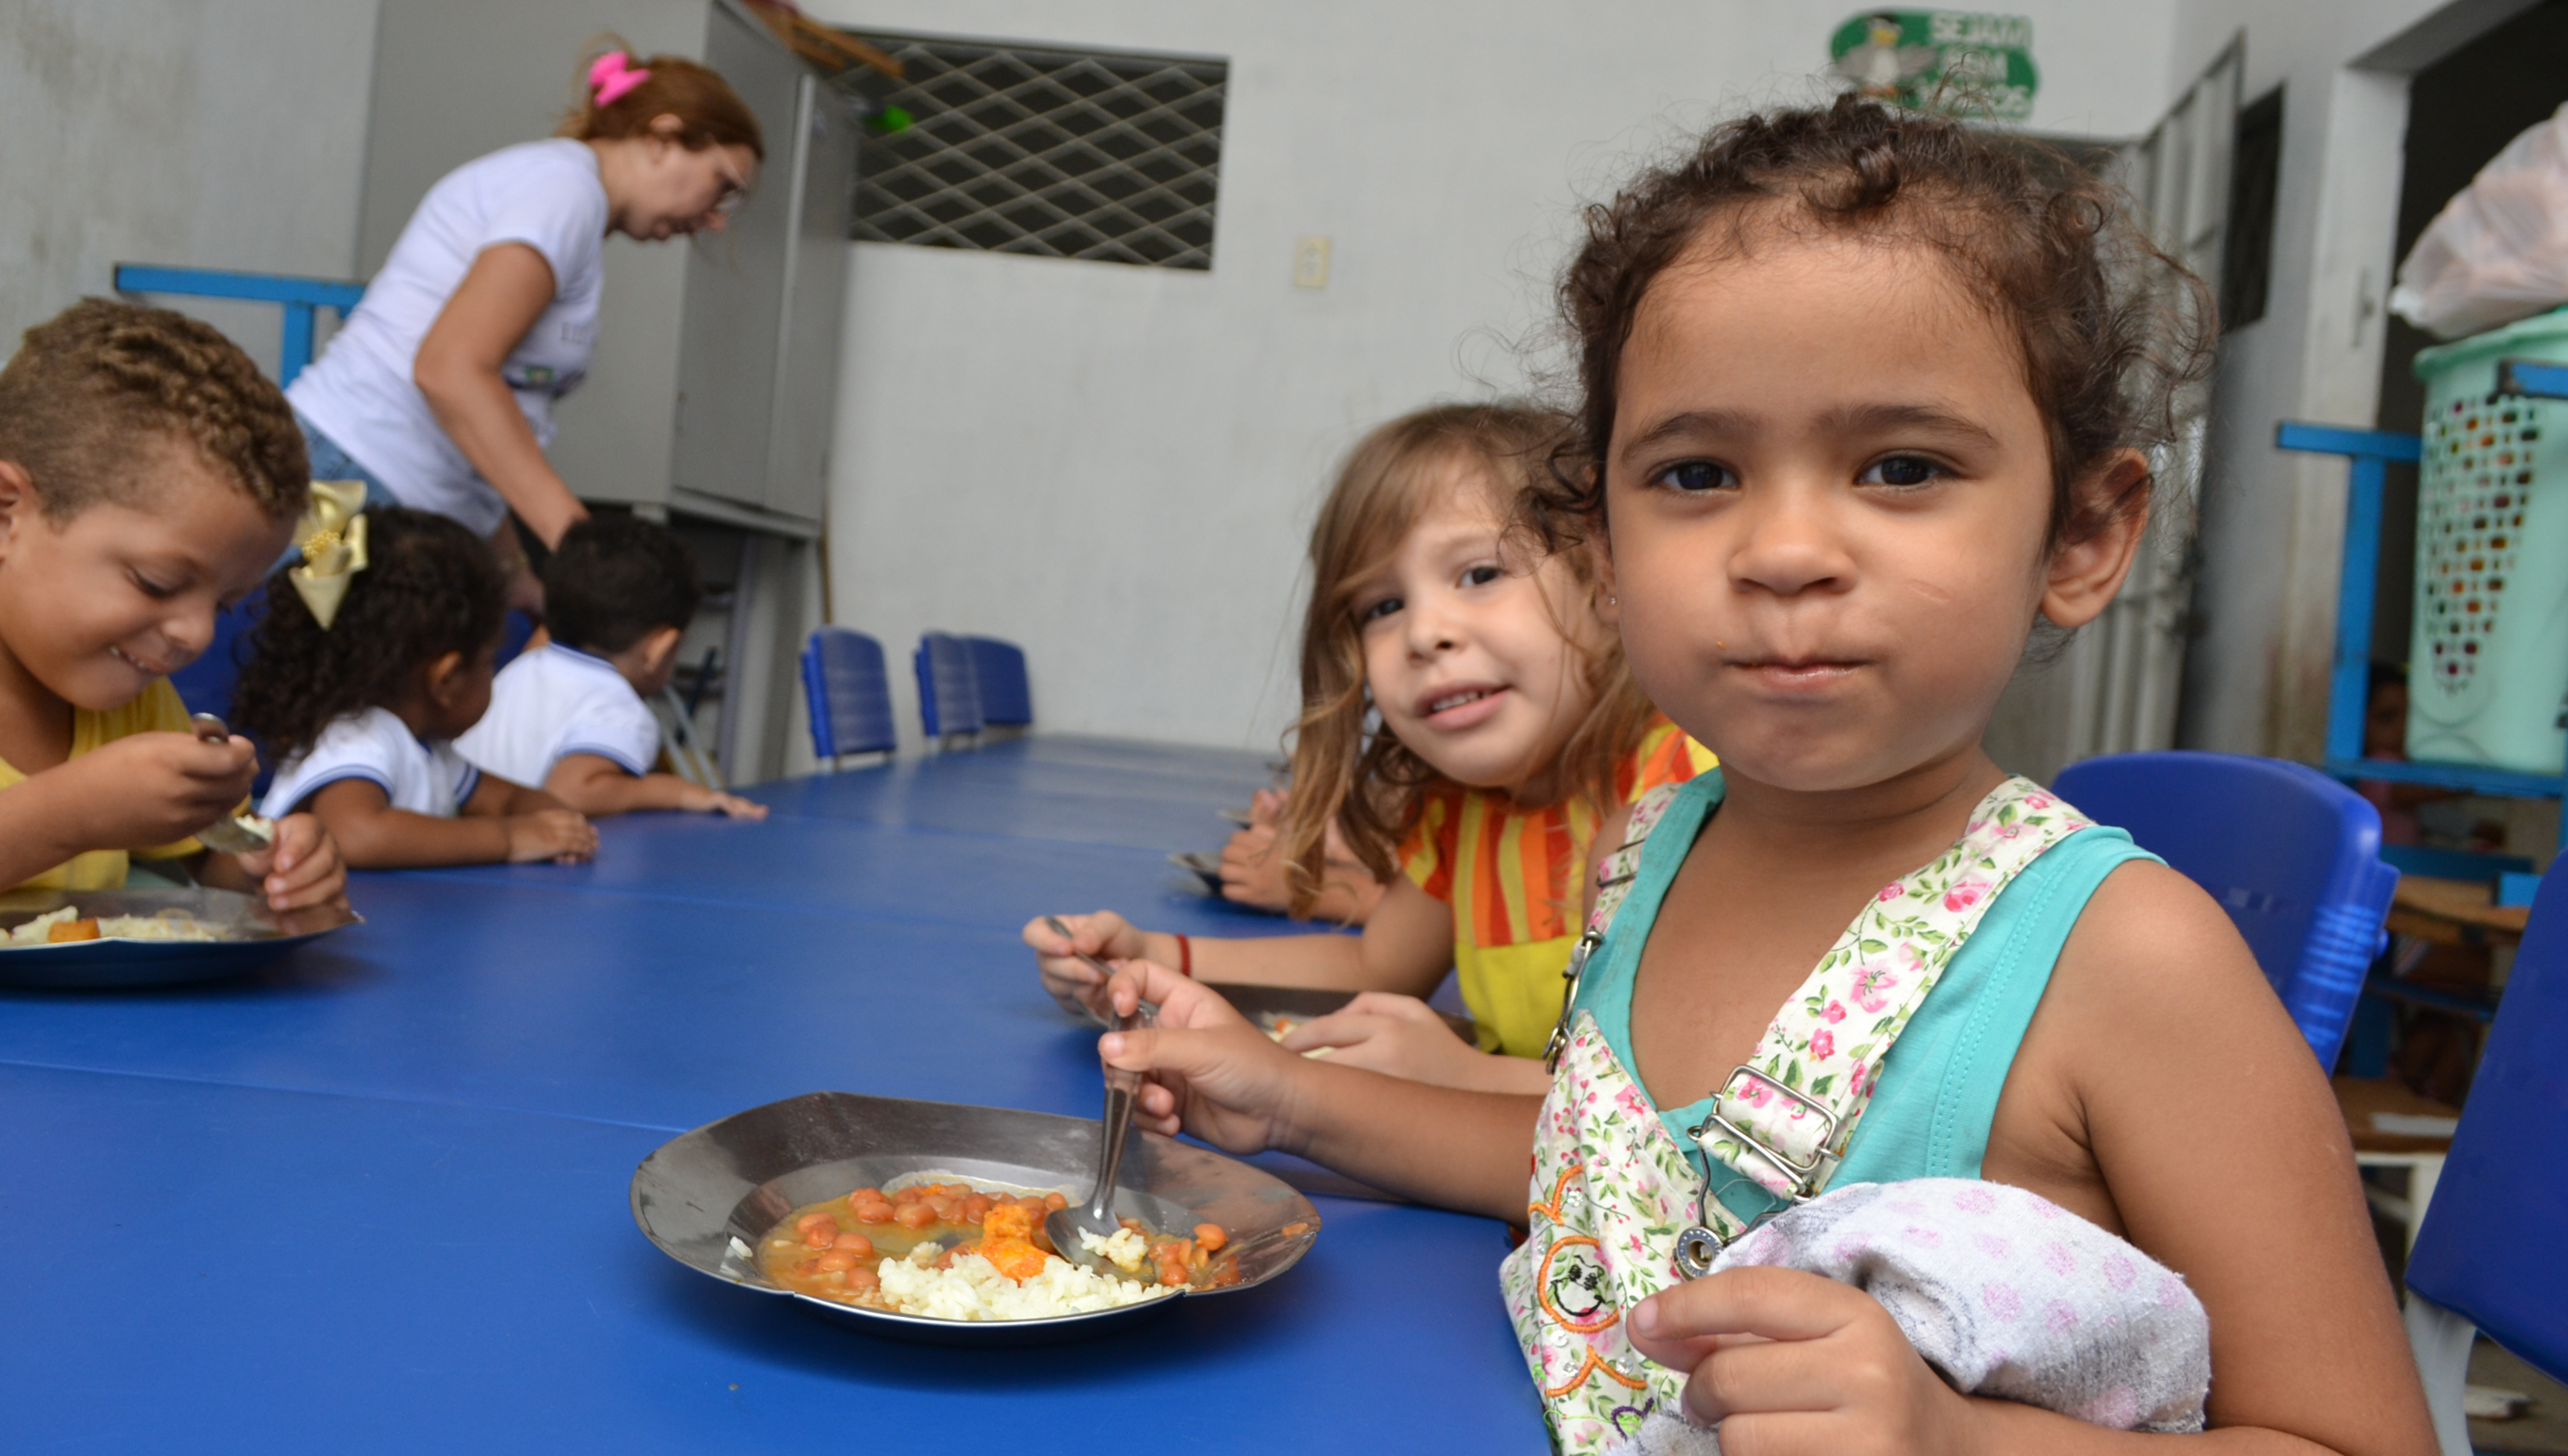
613, 74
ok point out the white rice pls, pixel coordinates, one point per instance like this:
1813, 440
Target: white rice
174, 925
973, 1288
170, 925
1126, 1249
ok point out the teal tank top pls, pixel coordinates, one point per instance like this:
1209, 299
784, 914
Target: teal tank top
1939, 1084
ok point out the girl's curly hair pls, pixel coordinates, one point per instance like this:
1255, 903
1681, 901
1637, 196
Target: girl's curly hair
2111, 329
430, 587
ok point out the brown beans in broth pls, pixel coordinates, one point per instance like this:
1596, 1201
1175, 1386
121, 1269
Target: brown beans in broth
831, 1250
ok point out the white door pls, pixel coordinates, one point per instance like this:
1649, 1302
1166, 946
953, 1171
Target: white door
2111, 687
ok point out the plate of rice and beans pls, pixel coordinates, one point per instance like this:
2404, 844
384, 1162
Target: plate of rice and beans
925, 1220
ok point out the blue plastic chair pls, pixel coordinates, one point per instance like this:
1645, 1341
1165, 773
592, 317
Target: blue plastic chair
2490, 1256
206, 684
2293, 855
848, 692
949, 693
998, 672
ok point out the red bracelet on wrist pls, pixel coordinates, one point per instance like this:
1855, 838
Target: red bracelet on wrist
1185, 958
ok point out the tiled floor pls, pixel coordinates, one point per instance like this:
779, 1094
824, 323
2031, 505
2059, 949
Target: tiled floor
2540, 1430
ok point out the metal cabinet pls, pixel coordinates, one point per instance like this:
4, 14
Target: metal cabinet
758, 369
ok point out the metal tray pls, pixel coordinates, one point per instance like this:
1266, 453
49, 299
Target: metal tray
255, 936
707, 1197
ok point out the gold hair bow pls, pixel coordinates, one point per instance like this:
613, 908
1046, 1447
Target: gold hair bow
332, 534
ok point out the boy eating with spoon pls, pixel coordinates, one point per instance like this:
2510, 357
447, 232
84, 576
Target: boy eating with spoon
148, 478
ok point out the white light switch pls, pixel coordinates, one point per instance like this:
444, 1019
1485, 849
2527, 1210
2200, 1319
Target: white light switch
1311, 261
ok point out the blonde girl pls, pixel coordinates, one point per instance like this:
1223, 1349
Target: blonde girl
1866, 397
1466, 720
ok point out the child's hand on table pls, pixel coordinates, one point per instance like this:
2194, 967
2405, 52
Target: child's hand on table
1210, 1071
1105, 935
695, 798
151, 788
1783, 1360
301, 869
1253, 871
564, 836
1252, 862
1402, 1036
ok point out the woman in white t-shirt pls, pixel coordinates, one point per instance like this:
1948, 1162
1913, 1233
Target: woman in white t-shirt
438, 391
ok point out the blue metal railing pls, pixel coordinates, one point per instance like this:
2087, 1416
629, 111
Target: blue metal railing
2372, 452
300, 296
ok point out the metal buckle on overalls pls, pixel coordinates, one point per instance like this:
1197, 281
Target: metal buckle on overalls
1578, 953
1698, 1245
1800, 1175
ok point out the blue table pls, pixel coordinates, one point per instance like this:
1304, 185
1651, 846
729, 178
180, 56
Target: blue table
374, 1199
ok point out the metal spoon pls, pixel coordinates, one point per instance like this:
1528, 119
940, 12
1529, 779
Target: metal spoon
1054, 924
1063, 1226
1104, 973
228, 835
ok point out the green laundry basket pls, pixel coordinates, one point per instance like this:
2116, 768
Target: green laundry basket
2487, 663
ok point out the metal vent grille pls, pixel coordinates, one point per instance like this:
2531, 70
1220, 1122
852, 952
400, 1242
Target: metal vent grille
1059, 153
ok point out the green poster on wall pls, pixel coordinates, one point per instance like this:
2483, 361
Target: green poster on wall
1952, 61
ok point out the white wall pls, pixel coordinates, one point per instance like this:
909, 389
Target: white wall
1115, 467
2273, 524
178, 131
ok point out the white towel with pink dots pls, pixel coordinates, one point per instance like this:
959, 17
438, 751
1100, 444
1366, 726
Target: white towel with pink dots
2004, 1293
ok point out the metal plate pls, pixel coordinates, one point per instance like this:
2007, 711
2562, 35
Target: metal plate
1302, 1004
708, 1197
1204, 865
253, 936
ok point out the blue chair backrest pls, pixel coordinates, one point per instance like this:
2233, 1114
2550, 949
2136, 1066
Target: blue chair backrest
998, 670
2491, 1249
2293, 855
515, 631
949, 697
849, 694
206, 684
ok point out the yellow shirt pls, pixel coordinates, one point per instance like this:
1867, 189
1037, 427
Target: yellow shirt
1511, 875
157, 709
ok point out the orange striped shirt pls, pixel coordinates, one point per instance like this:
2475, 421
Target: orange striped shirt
1511, 876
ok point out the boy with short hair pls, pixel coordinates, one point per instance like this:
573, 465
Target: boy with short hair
618, 594
148, 478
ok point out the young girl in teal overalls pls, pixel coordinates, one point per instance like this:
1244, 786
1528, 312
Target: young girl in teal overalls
1868, 397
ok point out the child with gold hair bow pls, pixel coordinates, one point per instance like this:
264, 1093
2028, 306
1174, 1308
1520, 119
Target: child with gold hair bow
367, 672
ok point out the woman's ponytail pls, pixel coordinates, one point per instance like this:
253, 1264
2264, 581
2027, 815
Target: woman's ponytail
621, 95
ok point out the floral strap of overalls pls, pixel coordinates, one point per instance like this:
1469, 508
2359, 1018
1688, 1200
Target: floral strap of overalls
1614, 876
1783, 1118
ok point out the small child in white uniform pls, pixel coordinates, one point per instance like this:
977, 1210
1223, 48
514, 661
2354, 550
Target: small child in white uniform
373, 744
366, 671
569, 715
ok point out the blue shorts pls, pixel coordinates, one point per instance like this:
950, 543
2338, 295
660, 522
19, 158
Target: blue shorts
330, 463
